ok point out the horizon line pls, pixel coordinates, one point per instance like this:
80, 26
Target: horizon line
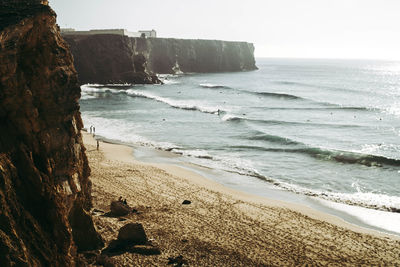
327, 58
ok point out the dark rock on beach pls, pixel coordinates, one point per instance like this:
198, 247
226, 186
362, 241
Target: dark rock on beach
177, 261
132, 233
118, 208
131, 238
186, 202
105, 261
85, 236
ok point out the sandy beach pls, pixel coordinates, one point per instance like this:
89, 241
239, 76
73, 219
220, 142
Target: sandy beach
221, 226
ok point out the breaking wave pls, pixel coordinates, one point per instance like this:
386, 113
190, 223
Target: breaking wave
179, 104
233, 118
214, 86
345, 157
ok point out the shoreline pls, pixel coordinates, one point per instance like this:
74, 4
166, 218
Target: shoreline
124, 153
333, 212
222, 226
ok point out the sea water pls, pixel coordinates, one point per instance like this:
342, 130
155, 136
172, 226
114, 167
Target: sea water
328, 129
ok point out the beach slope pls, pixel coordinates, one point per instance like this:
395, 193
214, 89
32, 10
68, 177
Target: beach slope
221, 227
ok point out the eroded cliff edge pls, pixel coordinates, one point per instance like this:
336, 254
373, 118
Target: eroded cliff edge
44, 187
110, 58
168, 55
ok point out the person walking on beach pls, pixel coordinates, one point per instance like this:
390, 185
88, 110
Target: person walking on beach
94, 130
90, 128
97, 144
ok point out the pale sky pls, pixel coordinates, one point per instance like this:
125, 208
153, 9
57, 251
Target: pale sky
364, 29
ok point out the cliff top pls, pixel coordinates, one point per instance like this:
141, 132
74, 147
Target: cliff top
12, 12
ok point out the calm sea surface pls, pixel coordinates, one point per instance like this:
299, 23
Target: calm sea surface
325, 128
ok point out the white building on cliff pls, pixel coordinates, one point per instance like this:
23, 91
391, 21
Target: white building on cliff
122, 32
151, 33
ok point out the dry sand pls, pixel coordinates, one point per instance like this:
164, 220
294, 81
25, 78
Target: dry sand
222, 227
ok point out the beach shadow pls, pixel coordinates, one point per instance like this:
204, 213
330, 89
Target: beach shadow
117, 247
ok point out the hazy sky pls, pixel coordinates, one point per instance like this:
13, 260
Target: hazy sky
278, 28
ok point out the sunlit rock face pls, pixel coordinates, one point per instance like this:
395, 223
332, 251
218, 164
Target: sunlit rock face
43, 167
107, 58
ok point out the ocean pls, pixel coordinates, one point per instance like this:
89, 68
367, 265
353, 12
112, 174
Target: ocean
325, 130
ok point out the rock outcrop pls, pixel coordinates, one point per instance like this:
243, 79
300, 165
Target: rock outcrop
107, 58
200, 56
118, 208
44, 171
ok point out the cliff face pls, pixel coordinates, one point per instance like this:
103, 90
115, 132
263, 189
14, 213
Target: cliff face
44, 185
179, 55
113, 58
109, 59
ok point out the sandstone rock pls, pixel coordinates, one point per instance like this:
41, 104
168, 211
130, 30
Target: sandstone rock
43, 166
118, 208
83, 232
105, 261
132, 233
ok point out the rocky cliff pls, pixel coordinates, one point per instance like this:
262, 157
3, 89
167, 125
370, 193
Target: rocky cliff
112, 58
109, 59
44, 185
180, 55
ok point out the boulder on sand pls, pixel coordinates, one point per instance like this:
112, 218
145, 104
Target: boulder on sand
132, 233
131, 238
84, 234
186, 202
118, 208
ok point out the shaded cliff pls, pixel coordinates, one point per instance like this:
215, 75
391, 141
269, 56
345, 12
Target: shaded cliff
112, 58
109, 59
44, 185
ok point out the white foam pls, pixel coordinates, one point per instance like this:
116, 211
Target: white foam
105, 85
114, 129
169, 81
394, 109
386, 220
390, 151
211, 85
91, 90
196, 153
181, 104
92, 84
366, 199
229, 117
85, 96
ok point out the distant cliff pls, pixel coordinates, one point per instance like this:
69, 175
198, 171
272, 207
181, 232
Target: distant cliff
182, 55
114, 58
45, 192
109, 59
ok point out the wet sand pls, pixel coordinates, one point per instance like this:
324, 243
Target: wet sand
221, 226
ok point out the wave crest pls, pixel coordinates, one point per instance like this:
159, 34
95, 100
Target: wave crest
179, 104
214, 86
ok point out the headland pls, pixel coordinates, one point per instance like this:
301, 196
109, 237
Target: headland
118, 58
